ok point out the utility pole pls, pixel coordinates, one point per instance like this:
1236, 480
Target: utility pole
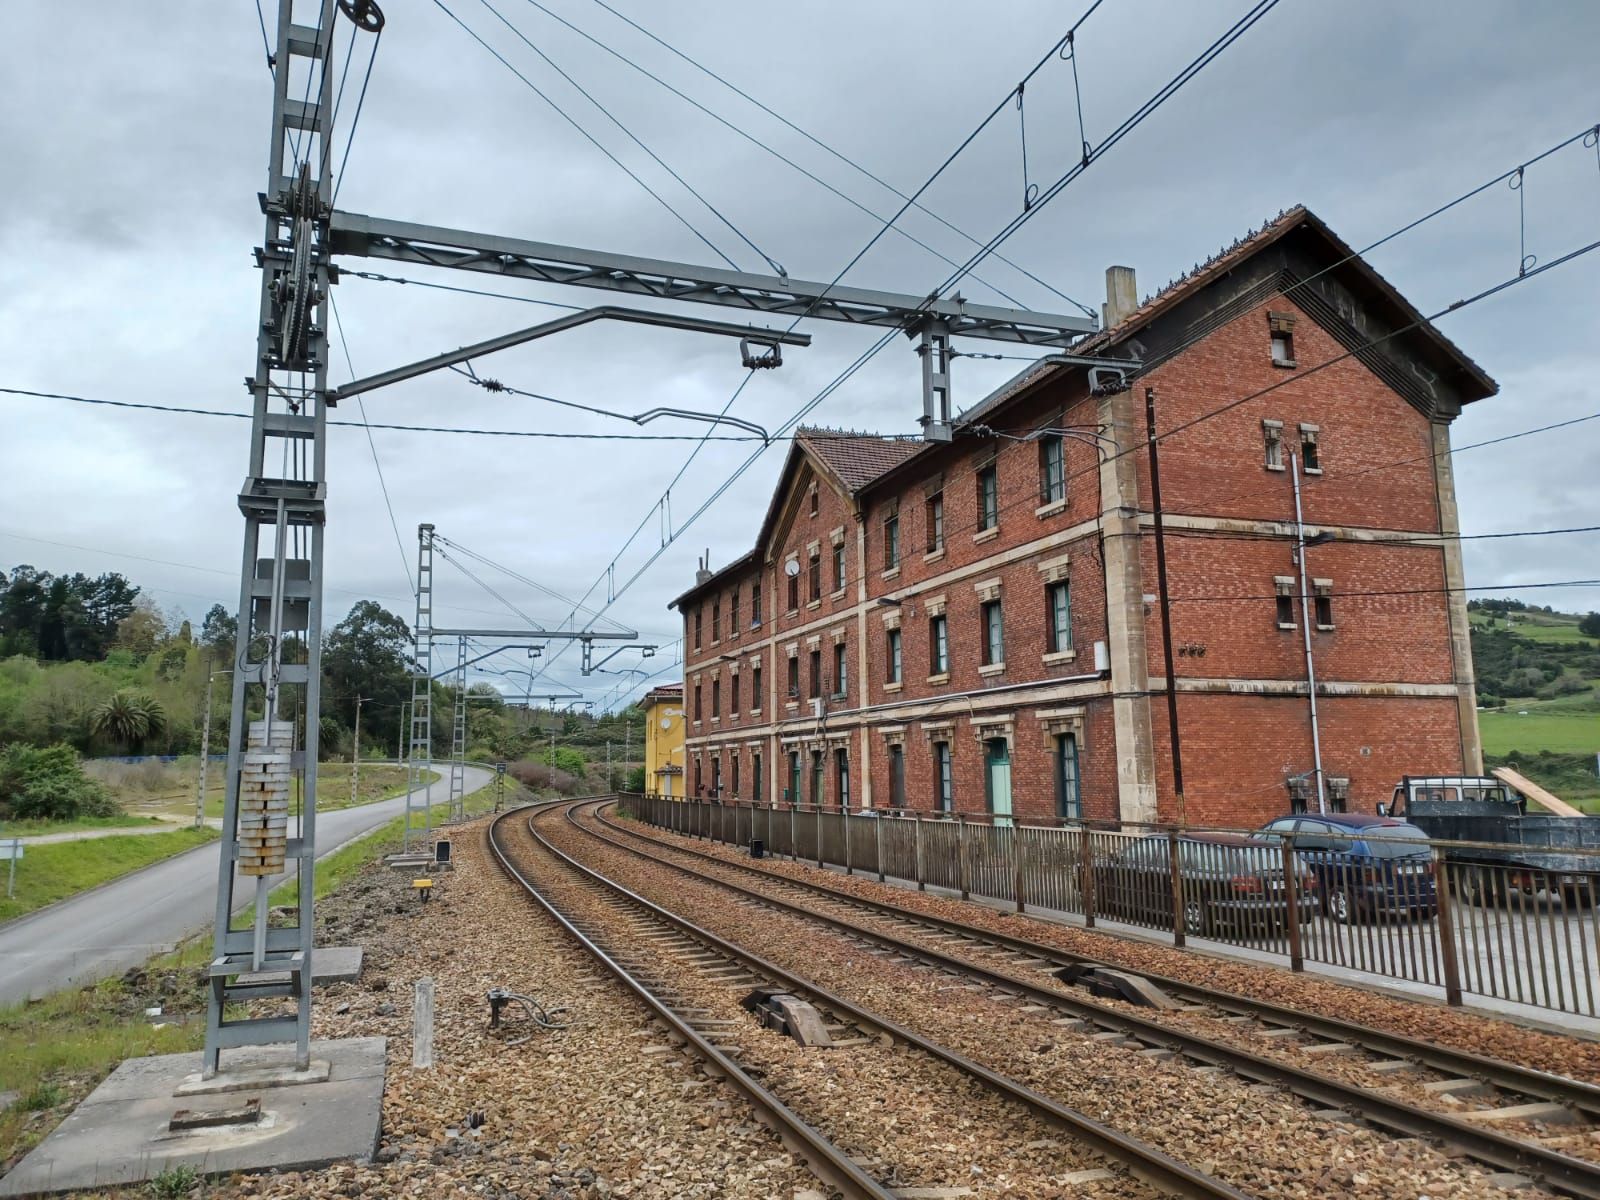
205, 747
355, 756
1305, 624
609, 784
1164, 601
400, 738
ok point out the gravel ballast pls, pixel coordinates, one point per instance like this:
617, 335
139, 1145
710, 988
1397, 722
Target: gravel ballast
1256, 1139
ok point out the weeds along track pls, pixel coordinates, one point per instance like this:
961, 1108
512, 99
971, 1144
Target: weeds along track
1376, 1115
882, 1111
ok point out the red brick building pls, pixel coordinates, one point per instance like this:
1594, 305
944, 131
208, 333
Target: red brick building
973, 626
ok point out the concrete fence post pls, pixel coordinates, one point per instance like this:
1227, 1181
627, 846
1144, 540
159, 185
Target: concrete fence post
422, 1024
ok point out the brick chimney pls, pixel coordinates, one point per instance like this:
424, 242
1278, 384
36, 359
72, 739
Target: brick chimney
1122, 296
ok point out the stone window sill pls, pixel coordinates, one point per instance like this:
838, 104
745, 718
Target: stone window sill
1287, 625
1288, 364
1059, 656
793, 612
1325, 628
933, 556
992, 669
1051, 509
716, 720
813, 605
755, 712
893, 687
1275, 466
942, 677
891, 573
1312, 470
984, 535
836, 595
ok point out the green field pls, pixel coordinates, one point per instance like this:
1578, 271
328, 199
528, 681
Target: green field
1535, 626
1560, 732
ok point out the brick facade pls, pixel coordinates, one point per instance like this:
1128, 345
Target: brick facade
974, 542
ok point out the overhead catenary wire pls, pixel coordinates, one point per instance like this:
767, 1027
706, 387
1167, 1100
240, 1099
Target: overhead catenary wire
785, 159
355, 121
520, 578
372, 446
590, 138
266, 42
1381, 592
635, 139
877, 347
831, 150
189, 411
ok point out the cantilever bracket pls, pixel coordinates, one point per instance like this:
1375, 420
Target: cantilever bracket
635, 316
590, 666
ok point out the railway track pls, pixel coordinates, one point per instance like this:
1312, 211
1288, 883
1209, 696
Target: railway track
693, 981
1017, 967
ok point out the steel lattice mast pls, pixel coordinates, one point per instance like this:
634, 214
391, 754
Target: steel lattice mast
272, 737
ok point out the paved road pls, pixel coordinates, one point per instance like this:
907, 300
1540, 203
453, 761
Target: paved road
107, 931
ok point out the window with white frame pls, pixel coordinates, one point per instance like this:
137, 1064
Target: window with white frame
943, 782
1058, 613
938, 645
994, 637
1052, 469
893, 655
988, 498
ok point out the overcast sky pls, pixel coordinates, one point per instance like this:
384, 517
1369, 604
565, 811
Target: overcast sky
134, 138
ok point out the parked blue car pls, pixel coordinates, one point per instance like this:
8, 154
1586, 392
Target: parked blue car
1365, 865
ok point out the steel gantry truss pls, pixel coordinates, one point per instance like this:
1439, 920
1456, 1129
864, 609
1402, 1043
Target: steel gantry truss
426, 633
273, 736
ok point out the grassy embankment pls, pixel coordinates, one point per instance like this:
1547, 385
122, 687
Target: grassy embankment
54, 872
168, 789
54, 1052
59, 870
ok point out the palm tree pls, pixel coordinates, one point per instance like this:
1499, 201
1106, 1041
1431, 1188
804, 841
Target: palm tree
128, 718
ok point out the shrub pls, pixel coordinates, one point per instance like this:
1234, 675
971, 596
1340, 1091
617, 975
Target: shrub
539, 776
47, 783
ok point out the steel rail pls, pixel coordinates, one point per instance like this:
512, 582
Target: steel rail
829, 1163
1581, 1097
1147, 1162
1560, 1172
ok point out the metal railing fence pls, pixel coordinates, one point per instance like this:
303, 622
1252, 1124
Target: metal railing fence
1434, 913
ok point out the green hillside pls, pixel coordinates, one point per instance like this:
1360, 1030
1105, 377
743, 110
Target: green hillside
1538, 676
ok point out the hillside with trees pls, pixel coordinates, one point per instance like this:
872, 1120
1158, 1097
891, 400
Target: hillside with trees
1538, 680
94, 666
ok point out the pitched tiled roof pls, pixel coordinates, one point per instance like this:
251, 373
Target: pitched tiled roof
857, 458
1231, 256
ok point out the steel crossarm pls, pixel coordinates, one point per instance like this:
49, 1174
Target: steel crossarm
359, 236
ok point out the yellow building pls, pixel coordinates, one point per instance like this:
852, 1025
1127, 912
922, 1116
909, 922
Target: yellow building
663, 740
